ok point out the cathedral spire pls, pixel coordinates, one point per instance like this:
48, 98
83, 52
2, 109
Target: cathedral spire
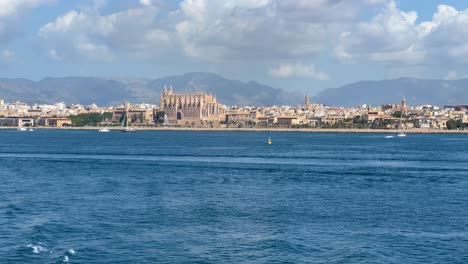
165, 90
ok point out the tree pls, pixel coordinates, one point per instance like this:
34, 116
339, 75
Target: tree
159, 118
397, 114
90, 119
451, 124
140, 117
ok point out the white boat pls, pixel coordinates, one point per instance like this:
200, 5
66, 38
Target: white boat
127, 129
22, 129
31, 130
401, 134
389, 136
103, 130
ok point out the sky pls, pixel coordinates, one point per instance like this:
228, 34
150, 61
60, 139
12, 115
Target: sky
303, 45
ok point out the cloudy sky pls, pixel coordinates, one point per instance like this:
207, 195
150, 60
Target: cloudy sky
307, 45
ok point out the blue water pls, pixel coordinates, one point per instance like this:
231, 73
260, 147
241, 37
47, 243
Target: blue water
228, 197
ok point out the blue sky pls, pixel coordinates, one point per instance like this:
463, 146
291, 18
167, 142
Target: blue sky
305, 45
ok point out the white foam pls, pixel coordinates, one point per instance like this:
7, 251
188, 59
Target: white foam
71, 251
65, 259
37, 248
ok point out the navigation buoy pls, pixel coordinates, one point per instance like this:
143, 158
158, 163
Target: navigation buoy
269, 141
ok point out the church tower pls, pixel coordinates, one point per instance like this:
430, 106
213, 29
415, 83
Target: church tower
307, 102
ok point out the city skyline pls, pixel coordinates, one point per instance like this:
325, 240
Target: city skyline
203, 111
294, 45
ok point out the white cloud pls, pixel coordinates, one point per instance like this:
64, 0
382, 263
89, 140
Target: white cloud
446, 41
212, 31
11, 11
131, 32
263, 33
246, 30
454, 75
391, 36
7, 55
13, 7
146, 2
298, 70
451, 75
64, 23
394, 37
54, 55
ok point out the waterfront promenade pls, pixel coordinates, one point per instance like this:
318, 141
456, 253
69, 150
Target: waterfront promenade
233, 129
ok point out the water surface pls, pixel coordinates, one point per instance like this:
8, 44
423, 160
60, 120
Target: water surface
228, 197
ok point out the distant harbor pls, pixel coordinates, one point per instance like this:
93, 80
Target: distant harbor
202, 111
254, 129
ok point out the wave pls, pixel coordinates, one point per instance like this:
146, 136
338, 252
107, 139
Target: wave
36, 249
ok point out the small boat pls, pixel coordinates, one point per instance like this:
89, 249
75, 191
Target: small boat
389, 136
401, 134
22, 129
103, 130
31, 130
269, 141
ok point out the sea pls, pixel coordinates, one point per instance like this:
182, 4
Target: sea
76, 196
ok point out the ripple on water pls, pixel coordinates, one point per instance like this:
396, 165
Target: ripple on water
170, 197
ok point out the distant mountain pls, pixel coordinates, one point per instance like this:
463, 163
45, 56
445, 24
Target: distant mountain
113, 91
230, 92
416, 92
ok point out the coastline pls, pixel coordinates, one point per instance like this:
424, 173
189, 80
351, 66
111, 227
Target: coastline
303, 130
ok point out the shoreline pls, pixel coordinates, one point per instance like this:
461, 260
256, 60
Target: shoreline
303, 130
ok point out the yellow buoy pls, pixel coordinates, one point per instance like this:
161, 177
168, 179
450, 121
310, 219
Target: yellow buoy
269, 141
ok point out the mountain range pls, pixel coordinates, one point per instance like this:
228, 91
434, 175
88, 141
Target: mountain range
415, 91
113, 91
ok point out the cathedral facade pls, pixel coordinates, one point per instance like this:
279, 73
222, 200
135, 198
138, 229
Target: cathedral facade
189, 108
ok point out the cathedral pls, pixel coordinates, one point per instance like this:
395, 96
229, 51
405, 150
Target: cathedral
189, 108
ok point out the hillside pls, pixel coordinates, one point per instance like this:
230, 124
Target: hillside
113, 91
416, 92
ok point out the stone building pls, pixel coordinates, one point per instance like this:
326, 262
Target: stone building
239, 118
287, 121
17, 121
136, 115
190, 108
54, 121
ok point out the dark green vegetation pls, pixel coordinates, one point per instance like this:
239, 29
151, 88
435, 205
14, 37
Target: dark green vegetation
92, 119
159, 117
455, 124
399, 114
